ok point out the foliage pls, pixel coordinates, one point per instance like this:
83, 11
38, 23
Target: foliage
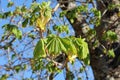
54, 45
51, 53
45, 15
13, 29
111, 53
110, 36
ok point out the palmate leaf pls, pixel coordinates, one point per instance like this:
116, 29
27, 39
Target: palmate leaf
67, 42
54, 45
39, 50
71, 49
82, 48
87, 60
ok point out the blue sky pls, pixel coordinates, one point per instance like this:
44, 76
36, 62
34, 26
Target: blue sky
3, 60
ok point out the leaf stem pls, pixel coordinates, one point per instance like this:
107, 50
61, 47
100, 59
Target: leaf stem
41, 33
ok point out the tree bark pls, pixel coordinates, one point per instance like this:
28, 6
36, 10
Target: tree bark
102, 69
101, 66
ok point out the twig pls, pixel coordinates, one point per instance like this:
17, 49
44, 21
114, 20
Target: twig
56, 7
84, 70
111, 25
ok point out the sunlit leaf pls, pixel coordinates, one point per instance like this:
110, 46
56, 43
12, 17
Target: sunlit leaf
87, 60
44, 15
39, 50
63, 13
34, 5
17, 33
69, 45
111, 53
71, 50
54, 45
82, 48
110, 35
17, 10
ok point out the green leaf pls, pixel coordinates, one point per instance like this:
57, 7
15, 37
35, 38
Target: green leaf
82, 69
10, 4
110, 35
62, 47
39, 50
17, 68
51, 68
31, 36
79, 78
45, 9
70, 75
13, 29
25, 22
7, 14
69, 45
9, 27
72, 20
24, 66
97, 16
36, 63
13, 56
34, 5
4, 77
1, 15
23, 9
17, 10
17, 33
111, 53
87, 60
82, 48
82, 8
62, 14
53, 45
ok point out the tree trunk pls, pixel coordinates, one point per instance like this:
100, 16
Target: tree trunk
102, 69
101, 66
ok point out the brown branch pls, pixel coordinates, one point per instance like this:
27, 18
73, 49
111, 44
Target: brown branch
87, 78
7, 44
111, 26
51, 77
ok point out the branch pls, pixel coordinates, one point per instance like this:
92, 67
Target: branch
8, 44
111, 26
87, 78
51, 76
56, 7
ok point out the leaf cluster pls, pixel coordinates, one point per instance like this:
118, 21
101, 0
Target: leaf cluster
52, 46
13, 29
